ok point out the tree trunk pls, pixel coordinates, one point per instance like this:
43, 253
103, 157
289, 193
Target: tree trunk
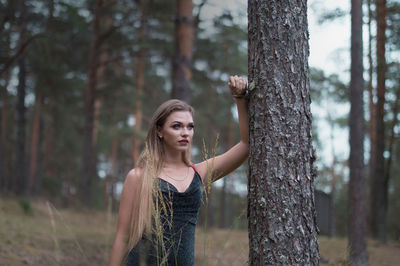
50, 137
224, 211
5, 153
20, 169
390, 148
35, 143
372, 115
36, 186
89, 167
379, 189
139, 85
357, 215
182, 61
213, 143
334, 178
114, 157
281, 207
101, 69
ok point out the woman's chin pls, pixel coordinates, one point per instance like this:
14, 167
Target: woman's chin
180, 148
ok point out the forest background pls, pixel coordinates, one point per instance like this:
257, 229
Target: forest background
80, 80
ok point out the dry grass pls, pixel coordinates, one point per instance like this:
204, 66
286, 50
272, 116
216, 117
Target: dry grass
221, 247
334, 252
49, 236
52, 237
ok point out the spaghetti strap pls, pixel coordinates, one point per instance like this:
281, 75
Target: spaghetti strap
194, 168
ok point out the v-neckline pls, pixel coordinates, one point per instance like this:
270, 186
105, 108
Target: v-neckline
180, 192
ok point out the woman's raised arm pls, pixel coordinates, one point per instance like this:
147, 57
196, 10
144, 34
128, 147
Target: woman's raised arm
225, 163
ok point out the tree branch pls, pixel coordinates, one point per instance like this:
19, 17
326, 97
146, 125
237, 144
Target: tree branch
13, 58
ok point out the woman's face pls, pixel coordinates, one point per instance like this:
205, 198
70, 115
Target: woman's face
177, 131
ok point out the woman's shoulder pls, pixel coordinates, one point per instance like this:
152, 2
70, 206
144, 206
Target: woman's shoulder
200, 168
133, 176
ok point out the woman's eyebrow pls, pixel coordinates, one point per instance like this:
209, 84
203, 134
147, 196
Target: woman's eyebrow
179, 122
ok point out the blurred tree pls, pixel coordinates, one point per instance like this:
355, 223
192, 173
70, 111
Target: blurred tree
7, 27
182, 60
372, 104
140, 72
37, 121
89, 171
100, 33
20, 162
392, 170
281, 208
225, 212
357, 200
379, 186
324, 91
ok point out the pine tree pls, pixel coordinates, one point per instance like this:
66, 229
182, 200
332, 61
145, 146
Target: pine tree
357, 200
281, 208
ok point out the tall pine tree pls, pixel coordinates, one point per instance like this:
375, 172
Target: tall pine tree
281, 208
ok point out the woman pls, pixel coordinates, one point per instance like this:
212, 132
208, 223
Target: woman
162, 195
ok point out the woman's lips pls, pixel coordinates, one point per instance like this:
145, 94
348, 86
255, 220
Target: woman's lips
183, 142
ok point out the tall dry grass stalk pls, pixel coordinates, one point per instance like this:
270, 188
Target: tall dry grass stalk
52, 209
209, 178
109, 222
55, 239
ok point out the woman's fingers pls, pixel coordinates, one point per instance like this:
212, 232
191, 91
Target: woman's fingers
237, 84
232, 80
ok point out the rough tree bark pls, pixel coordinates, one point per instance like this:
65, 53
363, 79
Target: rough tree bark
379, 188
357, 214
182, 61
281, 207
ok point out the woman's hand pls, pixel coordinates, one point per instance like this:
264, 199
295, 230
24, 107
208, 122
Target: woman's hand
237, 85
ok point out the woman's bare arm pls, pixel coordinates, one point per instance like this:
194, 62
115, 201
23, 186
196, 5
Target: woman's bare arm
225, 163
120, 246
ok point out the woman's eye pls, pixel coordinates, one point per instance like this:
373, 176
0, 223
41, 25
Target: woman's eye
176, 126
190, 127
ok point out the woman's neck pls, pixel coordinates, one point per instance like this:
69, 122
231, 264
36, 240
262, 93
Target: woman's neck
173, 159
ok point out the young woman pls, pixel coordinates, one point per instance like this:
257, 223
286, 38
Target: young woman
162, 195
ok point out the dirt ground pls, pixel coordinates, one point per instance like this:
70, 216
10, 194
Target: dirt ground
49, 236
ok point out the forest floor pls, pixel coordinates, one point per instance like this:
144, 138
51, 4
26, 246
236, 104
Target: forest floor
43, 235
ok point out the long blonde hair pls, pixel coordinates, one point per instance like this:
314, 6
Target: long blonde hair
150, 163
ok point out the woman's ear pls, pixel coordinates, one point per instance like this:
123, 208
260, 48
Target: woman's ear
159, 132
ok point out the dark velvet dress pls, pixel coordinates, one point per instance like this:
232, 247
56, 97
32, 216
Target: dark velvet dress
178, 221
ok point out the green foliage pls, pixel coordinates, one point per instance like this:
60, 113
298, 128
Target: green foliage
331, 15
393, 25
327, 87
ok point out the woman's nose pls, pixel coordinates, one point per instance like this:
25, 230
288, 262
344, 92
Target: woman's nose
185, 131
